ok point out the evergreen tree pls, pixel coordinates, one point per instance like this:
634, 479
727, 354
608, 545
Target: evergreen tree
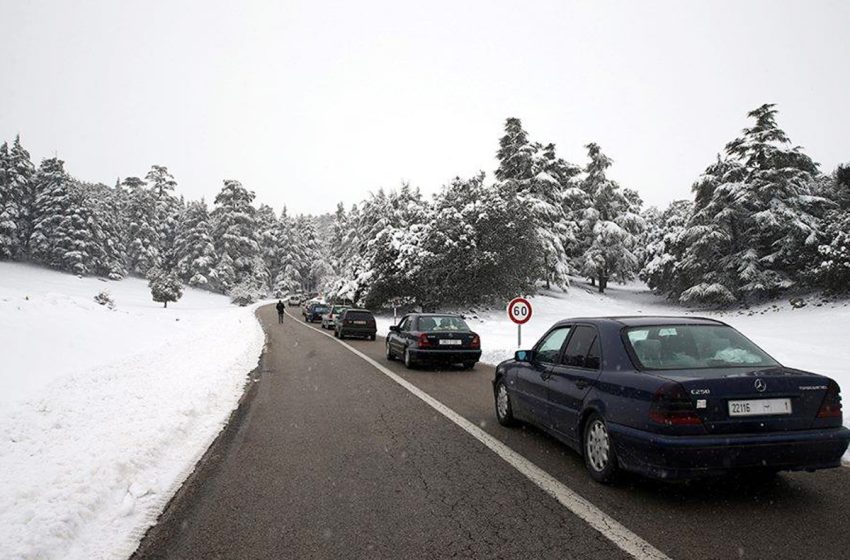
167, 209
235, 235
17, 197
196, 256
165, 286
142, 235
108, 212
664, 244
516, 154
610, 225
268, 233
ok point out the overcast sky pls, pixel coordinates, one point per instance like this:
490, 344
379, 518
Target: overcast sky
309, 103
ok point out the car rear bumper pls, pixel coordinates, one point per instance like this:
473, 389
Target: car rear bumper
670, 457
445, 356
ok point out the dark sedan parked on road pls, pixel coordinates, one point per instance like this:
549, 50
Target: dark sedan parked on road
356, 322
313, 312
671, 397
433, 338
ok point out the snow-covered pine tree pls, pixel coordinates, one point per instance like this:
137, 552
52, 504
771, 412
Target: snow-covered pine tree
610, 225
516, 153
167, 209
756, 222
664, 244
196, 257
108, 219
268, 232
235, 235
142, 235
165, 286
476, 246
833, 271
61, 236
17, 197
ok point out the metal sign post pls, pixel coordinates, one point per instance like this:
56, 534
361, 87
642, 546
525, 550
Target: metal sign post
519, 311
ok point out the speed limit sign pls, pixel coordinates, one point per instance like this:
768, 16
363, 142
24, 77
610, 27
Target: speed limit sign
519, 311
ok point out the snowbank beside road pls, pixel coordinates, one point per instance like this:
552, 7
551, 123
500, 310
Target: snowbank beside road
103, 413
813, 338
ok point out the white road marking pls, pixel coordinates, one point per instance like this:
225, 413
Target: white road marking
592, 515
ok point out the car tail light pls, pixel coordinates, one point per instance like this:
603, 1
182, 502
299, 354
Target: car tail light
476, 342
831, 405
423, 341
672, 406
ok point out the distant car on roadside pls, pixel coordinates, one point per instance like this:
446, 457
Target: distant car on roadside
293, 300
671, 397
421, 338
329, 319
313, 312
357, 323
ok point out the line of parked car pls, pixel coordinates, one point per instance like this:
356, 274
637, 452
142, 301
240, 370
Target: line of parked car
664, 397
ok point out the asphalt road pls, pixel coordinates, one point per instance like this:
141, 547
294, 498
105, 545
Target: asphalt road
330, 458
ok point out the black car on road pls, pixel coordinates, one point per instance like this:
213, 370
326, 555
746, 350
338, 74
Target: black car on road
433, 338
355, 322
671, 397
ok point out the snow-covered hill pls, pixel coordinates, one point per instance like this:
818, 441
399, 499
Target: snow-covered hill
104, 412
814, 337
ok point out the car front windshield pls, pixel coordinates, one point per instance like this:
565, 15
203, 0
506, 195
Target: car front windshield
442, 324
670, 347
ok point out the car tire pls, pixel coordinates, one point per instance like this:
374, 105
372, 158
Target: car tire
409, 362
468, 365
390, 355
372, 337
336, 333
341, 334
504, 410
598, 450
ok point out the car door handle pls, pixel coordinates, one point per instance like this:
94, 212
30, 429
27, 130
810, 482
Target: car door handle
581, 383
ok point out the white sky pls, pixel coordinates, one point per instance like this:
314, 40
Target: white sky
309, 103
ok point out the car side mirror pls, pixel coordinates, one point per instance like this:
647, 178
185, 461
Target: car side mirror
524, 355
394, 328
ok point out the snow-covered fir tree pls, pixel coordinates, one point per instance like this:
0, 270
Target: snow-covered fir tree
165, 286
610, 225
194, 249
235, 237
756, 221
108, 212
17, 197
664, 244
268, 234
142, 234
167, 210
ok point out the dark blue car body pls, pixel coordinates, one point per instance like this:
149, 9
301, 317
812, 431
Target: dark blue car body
559, 398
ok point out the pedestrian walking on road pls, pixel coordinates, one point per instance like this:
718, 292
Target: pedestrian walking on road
280, 309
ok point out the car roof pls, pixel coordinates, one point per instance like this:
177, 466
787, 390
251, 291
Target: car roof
458, 315
644, 321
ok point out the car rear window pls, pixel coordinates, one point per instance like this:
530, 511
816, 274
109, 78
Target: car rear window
442, 324
320, 309
694, 347
359, 316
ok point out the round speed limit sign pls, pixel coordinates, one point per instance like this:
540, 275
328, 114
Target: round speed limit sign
519, 310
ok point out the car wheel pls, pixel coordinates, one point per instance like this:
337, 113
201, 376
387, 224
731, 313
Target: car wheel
336, 333
371, 337
341, 333
504, 412
468, 365
390, 355
409, 363
599, 456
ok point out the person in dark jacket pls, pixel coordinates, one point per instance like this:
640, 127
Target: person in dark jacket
280, 309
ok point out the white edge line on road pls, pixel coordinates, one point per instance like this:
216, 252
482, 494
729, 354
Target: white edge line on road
589, 513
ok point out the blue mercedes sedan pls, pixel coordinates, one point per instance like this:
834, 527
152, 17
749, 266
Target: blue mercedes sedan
671, 398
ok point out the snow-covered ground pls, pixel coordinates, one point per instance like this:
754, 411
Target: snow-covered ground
103, 413
813, 338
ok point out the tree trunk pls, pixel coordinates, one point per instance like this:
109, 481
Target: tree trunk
603, 283
165, 304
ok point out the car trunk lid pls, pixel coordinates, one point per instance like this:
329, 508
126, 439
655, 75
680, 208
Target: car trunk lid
740, 400
454, 340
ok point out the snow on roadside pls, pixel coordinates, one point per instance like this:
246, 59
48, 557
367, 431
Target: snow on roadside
813, 338
104, 413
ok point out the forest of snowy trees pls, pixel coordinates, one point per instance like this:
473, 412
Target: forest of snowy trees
764, 220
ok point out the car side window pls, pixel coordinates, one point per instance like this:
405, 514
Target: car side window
579, 346
550, 347
404, 325
592, 361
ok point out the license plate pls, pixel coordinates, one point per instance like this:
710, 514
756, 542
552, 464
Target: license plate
359, 322
451, 342
760, 407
